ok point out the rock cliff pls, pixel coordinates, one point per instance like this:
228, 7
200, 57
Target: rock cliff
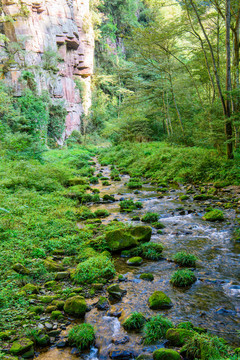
54, 41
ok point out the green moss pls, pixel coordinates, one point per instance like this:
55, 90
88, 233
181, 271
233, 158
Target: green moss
158, 225
185, 325
183, 278
166, 354
121, 239
133, 184
150, 217
82, 336
101, 213
56, 314
135, 261
53, 266
214, 215
178, 337
147, 276
107, 197
134, 322
21, 346
76, 306
202, 197
93, 269
86, 253
158, 300
30, 289
155, 329
183, 197
46, 299
130, 205
184, 259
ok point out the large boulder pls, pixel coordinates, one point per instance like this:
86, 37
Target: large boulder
158, 300
76, 306
126, 238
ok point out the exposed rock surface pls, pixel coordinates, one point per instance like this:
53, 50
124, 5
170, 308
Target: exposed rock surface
52, 26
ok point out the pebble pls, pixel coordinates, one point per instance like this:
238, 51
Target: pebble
48, 326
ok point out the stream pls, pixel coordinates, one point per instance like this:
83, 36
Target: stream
212, 302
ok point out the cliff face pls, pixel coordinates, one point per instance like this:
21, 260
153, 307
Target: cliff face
57, 46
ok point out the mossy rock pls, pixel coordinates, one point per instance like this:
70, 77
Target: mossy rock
30, 289
183, 197
147, 276
76, 306
56, 314
43, 340
53, 266
166, 354
115, 292
178, 337
62, 275
20, 269
158, 300
126, 238
135, 261
47, 299
50, 284
37, 309
21, 346
85, 253
5, 335
214, 215
50, 308
59, 304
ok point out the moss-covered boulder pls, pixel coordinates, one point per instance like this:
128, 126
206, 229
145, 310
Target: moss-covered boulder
30, 289
20, 269
166, 354
5, 335
56, 314
115, 292
76, 306
158, 300
47, 299
52, 265
178, 337
135, 261
147, 276
214, 215
43, 339
21, 346
126, 238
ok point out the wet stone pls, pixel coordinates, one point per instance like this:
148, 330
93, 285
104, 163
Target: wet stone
62, 344
121, 355
48, 326
119, 340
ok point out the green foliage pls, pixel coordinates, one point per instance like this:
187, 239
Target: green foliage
149, 251
183, 278
57, 118
82, 336
50, 61
134, 322
150, 217
184, 259
155, 329
130, 205
101, 213
214, 215
205, 347
94, 269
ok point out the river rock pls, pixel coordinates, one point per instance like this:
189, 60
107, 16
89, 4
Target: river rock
62, 275
20, 269
21, 346
126, 238
135, 261
121, 355
76, 306
121, 340
102, 304
115, 292
158, 300
166, 354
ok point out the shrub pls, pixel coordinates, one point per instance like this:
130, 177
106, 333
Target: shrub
82, 336
94, 269
183, 278
93, 180
184, 259
133, 184
134, 322
155, 329
101, 213
150, 217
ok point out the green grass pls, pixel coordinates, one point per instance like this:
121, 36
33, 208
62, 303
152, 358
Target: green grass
155, 329
130, 205
183, 278
183, 259
134, 322
150, 217
82, 336
163, 162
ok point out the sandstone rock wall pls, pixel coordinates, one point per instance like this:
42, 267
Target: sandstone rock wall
53, 27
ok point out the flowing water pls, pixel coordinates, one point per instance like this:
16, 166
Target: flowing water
213, 302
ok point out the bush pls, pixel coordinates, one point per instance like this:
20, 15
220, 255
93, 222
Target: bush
134, 322
184, 259
155, 329
183, 278
150, 217
82, 336
95, 268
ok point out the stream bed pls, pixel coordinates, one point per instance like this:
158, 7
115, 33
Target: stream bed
212, 302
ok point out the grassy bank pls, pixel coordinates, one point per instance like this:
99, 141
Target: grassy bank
161, 161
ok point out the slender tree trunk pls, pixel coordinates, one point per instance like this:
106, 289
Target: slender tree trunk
166, 115
228, 121
175, 103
